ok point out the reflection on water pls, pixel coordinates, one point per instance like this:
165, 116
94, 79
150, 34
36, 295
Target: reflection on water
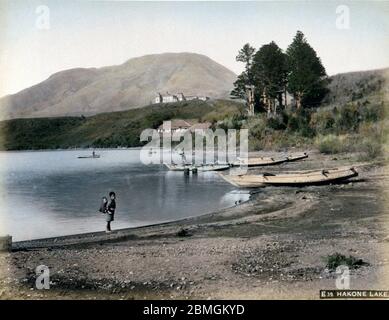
53, 193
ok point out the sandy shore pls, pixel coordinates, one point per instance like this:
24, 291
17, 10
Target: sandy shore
274, 246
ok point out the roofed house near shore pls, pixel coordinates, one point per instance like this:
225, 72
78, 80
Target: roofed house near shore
200, 128
176, 125
182, 126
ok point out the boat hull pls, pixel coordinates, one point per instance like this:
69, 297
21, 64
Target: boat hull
292, 178
297, 157
89, 157
259, 161
269, 161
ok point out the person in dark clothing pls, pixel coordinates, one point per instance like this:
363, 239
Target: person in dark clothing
104, 205
110, 210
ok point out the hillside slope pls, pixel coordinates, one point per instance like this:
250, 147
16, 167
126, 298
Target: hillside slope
353, 86
114, 129
132, 84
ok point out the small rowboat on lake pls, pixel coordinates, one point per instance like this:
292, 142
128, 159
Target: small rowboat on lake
92, 156
311, 177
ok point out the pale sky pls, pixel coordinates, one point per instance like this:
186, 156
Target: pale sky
101, 33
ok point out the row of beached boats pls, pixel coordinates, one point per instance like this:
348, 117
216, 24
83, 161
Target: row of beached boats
249, 162
249, 180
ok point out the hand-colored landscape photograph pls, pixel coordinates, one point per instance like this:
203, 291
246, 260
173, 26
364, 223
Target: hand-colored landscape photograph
194, 150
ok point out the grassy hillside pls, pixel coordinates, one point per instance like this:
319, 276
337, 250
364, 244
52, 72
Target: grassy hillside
357, 86
115, 129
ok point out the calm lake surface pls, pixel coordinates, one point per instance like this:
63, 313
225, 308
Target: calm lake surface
53, 193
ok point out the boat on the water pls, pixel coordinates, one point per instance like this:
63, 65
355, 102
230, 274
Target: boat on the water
204, 167
268, 161
309, 177
178, 167
92, 156
89, 157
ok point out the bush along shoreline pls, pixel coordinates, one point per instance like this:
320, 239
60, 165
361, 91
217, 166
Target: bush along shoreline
355, 127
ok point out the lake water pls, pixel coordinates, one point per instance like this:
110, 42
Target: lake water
53, 193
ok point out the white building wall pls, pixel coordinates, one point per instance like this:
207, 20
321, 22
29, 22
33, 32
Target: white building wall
178, 97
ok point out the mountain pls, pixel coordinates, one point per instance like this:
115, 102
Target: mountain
129, 85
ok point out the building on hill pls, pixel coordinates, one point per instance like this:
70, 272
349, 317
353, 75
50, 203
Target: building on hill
181, 97
168, 98
202, 98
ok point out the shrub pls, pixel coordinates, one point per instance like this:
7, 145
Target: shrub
322, 122
331, 144
371, 140
335, 260
371, 149
276, 123
371, 112
348, 119
299, 122
234, 122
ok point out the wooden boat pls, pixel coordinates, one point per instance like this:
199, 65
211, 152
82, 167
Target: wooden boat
96, 156
297, 156
259, 161
190, 167
178, 167
213, 167
268, 161
310, 177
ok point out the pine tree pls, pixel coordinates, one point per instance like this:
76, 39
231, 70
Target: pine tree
269, 71
307, 79
239, 91
245, 55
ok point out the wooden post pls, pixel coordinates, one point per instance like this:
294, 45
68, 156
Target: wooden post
6, 243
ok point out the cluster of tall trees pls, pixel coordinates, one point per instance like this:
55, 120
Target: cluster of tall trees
272, 74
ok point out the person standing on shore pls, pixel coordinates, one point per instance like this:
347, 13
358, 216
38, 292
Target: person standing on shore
110, 211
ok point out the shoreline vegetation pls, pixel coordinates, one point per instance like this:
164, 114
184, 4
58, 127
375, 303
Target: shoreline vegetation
360, 126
